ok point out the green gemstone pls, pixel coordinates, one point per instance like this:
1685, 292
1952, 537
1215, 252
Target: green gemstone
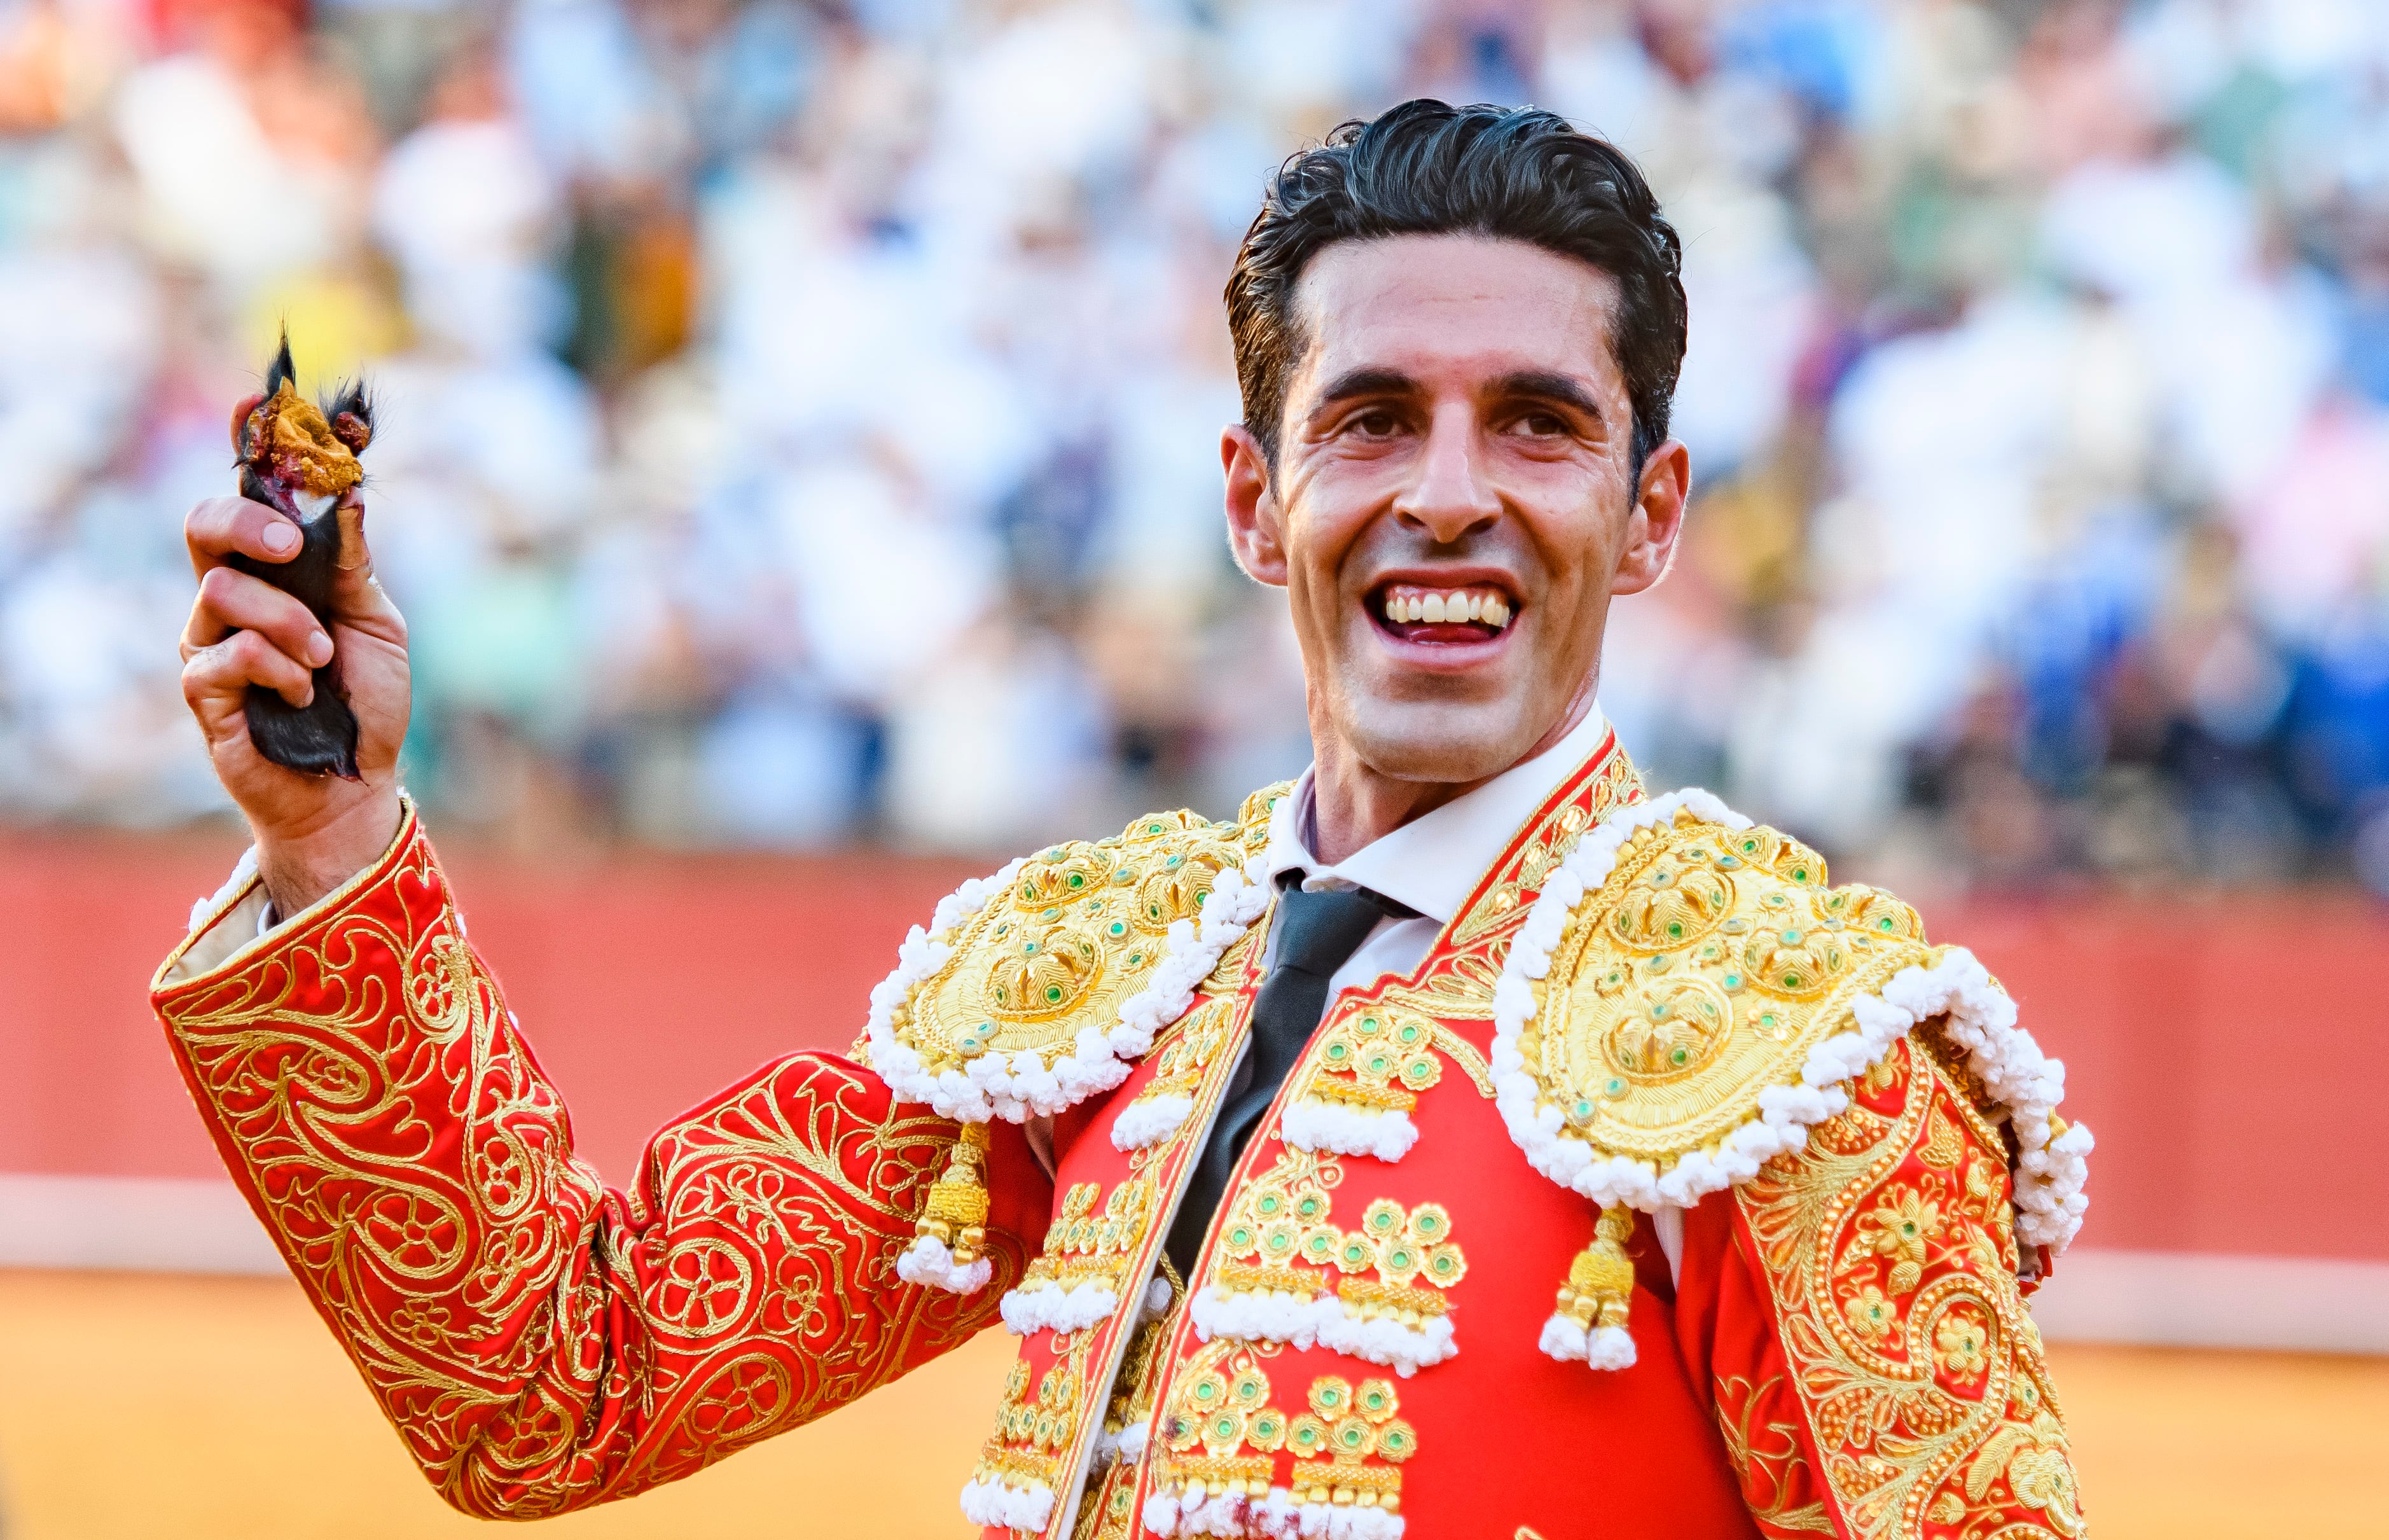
1077, 880
1053, 994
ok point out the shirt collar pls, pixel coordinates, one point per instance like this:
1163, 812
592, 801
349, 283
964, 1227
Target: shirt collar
1432, 861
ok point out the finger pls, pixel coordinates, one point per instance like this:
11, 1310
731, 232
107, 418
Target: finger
231, 601
221, 675
220, 527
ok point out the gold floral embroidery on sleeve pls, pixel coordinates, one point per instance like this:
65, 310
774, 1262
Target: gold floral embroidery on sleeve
1767, 1454
540, 1343
1889, 1250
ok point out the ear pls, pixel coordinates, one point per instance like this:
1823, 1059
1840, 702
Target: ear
1657, 520
1256, 524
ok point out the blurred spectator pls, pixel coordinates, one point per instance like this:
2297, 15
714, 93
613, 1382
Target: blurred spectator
799, 417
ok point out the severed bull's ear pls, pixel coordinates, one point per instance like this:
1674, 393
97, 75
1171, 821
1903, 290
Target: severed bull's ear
350, 413
280, 372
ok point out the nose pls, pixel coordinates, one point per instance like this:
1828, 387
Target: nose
1449, 496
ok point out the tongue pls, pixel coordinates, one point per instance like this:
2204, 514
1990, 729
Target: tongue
1441, 630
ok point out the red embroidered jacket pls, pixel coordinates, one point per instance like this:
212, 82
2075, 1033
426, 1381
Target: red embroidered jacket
1839, 1345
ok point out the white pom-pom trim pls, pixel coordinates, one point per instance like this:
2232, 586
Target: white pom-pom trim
1316, 1126
1257, 1318
998, 1505
1149, 1120
1389, 1342
1275, 1517
928, 1262
1981, 1021
1607, 1347
1023, 1087
1302, 1322
1047, 1308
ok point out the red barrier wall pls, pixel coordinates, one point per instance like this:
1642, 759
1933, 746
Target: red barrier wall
2228, 1052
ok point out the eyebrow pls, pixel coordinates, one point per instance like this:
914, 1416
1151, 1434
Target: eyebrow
1532, 384
1367, 380
1547, 385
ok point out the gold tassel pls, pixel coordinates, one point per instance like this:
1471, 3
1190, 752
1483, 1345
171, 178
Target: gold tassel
955, 1214
1601, 1280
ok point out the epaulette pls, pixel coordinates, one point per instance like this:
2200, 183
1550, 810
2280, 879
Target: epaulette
1042, 984
1688, 997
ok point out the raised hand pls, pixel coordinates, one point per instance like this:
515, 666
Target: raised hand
312, 831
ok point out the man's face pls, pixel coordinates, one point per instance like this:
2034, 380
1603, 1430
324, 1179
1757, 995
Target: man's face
1455, 499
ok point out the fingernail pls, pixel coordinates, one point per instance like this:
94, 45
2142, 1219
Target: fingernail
319, 650
281, 538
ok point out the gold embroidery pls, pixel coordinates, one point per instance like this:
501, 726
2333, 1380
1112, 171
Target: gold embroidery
1770, 1460
1082, 1245
417, 1169
1032, 1432
1613, 784
1184, 1051
1344, 1430
1380, 1059
1079, 931
1708, 965
1345, 1447
1280, 1239
1910, 1348
1222, 1405
1374, 1059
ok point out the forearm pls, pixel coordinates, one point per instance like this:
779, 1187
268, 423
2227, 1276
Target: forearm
540, 1342
301, 866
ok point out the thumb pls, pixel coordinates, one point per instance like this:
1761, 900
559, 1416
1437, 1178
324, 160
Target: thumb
354, 561
356, 597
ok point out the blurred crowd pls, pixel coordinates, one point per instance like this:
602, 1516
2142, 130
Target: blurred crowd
799, 420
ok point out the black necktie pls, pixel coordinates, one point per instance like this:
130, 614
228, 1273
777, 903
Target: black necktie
1316, 934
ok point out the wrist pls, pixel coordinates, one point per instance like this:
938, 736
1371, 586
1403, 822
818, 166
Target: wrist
299, 867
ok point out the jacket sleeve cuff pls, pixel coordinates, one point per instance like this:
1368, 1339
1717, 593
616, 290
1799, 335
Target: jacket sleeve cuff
230, 928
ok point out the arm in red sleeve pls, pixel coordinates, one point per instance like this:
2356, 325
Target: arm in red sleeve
540, 1341
1876, 1374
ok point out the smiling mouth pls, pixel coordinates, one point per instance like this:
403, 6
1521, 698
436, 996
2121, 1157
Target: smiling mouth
1441, 616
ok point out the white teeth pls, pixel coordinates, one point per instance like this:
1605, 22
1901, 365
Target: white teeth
1448, 607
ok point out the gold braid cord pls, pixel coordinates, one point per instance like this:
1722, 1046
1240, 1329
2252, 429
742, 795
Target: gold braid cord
540, 1342
1888, 1250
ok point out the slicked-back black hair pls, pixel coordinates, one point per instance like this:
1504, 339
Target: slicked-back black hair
1424, 168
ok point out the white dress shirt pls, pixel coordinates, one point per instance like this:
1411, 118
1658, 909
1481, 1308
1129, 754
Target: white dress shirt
1430, 864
